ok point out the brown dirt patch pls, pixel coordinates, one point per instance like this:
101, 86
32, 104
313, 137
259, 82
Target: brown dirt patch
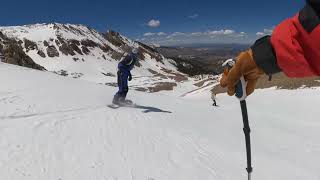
162, 86
175, 76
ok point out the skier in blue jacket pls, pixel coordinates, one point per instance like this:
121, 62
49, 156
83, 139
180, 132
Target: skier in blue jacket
124, 74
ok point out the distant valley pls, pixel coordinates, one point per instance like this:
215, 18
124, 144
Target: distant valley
203, 58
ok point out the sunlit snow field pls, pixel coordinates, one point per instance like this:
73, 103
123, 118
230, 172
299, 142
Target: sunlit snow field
58, 128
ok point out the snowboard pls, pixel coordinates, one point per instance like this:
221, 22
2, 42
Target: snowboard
127, 104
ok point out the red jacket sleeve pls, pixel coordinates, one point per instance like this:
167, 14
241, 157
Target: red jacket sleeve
293, 47
288, 40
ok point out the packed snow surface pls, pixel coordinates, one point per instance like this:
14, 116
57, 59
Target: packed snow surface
59, 128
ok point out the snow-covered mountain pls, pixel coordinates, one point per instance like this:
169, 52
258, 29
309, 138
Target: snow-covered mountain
81, 52
56, 128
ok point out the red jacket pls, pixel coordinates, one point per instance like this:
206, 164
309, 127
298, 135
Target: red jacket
294, 46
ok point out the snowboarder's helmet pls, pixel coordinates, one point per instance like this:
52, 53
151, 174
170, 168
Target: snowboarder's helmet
135, 51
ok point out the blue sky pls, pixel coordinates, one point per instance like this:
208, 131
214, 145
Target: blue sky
167, 22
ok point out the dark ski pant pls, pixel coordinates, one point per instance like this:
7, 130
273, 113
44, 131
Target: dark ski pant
122, 84
214, 103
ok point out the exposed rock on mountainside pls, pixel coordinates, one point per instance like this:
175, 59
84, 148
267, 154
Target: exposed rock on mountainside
52, 51
114, 38
12, 53
81, 52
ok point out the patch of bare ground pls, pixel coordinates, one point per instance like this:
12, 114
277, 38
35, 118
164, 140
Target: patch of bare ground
112, 84
175, 76
141, 89
162, 86
157, 87
108, 74
202, 82
155, 73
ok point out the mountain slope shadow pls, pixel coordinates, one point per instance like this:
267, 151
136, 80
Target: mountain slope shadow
149, 109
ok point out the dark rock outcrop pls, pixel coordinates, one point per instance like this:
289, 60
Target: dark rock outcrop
74, 46
52, 51
13, 53
105, 48
45, 43
41, 53
116, 55
30, 45
85, 50
89, 43
66, 50
144, 49
114, 38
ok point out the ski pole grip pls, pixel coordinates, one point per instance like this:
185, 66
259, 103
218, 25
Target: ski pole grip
241, 87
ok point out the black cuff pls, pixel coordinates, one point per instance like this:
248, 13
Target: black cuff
309, 16
264, 55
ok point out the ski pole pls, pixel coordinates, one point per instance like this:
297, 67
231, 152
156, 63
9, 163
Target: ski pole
246, 130
241, 94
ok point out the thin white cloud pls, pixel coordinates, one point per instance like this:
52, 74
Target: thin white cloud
148, 34
228, 32
161, 33
193, 16
260, 34
175, 34
241, 35
221, 32
196, 34
214, 33
178, 34
265, 32
268, 31
212, 36
154, 23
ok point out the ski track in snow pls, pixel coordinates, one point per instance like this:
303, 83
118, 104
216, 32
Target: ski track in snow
57, 128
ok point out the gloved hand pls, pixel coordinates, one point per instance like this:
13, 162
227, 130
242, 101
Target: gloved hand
246, 66
130, 77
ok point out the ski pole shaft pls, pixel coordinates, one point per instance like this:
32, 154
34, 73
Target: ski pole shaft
241, 94
246, 130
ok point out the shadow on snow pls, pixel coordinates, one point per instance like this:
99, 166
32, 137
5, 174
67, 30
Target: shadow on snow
149, 109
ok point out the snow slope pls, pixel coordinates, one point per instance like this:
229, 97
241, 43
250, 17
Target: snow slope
59, 128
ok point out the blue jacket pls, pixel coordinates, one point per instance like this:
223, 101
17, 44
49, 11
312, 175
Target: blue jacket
127, 64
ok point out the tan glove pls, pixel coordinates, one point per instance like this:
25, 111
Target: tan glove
246, 66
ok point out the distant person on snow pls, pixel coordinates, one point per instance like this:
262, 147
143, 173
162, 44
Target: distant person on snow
124, 74
293, 48
213, 97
